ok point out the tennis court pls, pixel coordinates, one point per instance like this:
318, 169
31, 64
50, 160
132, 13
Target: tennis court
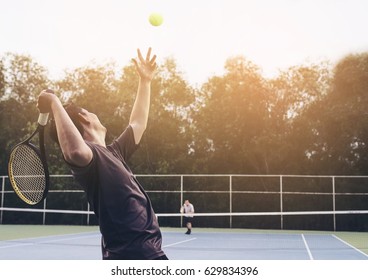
275, 217
37, 242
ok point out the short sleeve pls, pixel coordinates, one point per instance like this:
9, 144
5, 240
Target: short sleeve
86, 171
125, 144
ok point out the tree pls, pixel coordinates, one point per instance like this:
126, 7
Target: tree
297, 95
309, 119
232, 121
101, 90
21, 80
164, 147
340, 119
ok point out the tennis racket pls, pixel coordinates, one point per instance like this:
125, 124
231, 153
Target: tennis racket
27, 166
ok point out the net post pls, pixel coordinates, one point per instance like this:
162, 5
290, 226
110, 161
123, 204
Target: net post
181, 196
281, 204
44, 212
2, 198
231, 199
333, 203
88, 209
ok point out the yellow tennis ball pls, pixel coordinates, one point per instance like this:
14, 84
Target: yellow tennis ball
156, 19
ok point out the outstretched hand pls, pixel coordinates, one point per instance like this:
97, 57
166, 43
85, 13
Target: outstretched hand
145, 67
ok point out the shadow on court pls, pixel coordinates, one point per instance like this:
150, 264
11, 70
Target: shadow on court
201, 245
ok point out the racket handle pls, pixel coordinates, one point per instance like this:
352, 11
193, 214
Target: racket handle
42, 118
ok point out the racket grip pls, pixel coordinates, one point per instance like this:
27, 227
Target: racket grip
42, 118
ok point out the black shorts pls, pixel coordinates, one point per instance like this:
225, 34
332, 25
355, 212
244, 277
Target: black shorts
188, 220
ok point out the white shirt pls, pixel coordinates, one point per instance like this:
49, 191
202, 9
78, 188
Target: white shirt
187, 209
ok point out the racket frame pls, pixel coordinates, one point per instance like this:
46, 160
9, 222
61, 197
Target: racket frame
40, 151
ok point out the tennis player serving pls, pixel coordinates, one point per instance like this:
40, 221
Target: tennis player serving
126, 218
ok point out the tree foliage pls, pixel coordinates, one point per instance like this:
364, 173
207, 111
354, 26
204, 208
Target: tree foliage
309, 119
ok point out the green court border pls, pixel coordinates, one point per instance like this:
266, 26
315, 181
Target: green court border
11, 232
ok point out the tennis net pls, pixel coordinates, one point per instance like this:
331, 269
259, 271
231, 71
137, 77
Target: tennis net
292, 220
337, 203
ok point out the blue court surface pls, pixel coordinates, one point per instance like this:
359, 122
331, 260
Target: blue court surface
202, 244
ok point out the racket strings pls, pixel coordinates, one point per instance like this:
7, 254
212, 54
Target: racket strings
28, 174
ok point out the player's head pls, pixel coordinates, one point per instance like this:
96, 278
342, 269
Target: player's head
87, 123
73, 112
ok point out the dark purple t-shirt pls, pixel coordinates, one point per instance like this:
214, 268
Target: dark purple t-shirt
127, 221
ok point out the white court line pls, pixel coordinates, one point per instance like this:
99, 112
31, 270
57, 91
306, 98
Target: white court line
307, 247
180, 242
351, 246
15, 245
24, 242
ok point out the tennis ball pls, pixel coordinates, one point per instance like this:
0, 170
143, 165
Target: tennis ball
155, 19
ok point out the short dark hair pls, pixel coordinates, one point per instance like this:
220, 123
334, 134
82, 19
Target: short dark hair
73, 112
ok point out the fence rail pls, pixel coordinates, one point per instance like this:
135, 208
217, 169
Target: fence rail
283, 196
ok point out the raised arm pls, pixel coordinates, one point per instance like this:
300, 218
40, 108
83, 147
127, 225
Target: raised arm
139, 115
73, 147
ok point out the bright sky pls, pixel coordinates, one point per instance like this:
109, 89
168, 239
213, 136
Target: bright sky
199, 34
